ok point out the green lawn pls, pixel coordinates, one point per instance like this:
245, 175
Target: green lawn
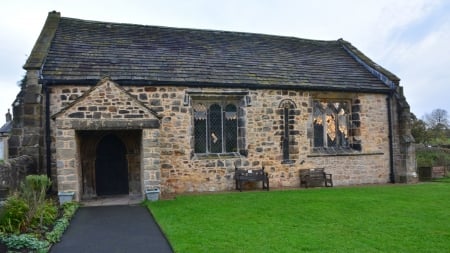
392, 218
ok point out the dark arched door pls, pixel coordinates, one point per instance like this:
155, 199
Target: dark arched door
111, 170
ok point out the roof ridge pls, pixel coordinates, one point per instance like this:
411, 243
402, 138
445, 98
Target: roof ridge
207, 30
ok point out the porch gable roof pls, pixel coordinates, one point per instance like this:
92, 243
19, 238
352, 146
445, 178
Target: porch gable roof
106, 100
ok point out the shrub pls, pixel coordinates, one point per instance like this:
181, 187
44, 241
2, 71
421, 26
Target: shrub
429, 157
31, 214
25, 241
69, 209
29, 210
33, 191
45, 215
55, 235
13, 217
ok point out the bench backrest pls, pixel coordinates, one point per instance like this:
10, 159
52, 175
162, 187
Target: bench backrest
316, 172
249, 173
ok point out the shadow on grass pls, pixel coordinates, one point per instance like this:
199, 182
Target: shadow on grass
441, 180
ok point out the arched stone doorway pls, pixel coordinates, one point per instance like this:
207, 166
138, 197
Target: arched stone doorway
111, 167
110, 162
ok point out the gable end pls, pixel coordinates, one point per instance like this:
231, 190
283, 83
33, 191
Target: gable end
106, 101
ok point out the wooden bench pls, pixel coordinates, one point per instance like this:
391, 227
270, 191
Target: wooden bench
242, 176
315, 177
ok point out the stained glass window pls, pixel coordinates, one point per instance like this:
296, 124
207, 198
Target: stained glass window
331, 123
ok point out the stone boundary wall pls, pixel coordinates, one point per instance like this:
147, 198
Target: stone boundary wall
439, 172
15, 170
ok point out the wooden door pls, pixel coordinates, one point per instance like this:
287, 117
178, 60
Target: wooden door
111, 170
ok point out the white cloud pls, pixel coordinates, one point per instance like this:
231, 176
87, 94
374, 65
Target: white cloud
417, 51
408, 37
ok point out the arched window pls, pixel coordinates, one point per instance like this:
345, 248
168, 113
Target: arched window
287, 111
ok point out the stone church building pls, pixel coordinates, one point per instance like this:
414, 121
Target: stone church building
112, 108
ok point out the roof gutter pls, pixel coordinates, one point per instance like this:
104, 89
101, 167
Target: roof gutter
48, 139
390, 136
127, 82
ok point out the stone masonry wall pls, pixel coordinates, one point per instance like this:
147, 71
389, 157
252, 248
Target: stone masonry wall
14, 171
28, 123
179, 170
405, 166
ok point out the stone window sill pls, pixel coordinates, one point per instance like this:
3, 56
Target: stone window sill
320, 152
212, 156
288, 162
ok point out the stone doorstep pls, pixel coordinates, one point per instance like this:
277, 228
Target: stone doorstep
115, 200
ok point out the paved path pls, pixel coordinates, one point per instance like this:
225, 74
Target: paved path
113, 229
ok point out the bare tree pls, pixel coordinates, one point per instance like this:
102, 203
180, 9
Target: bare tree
438, 119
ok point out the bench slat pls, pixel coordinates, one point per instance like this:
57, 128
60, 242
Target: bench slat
315, 177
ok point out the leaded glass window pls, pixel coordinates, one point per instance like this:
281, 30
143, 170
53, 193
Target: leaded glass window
200, 127
231, 128
215, 127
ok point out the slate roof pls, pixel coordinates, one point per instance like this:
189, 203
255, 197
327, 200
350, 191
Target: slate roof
87, 51
6, 128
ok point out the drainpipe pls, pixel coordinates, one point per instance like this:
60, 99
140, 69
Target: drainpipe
48, 139
391, 141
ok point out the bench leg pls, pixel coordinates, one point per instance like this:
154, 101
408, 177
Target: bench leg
265, 184
302, 183
238, 185
328, 180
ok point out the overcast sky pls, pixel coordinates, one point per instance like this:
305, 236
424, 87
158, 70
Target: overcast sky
411, 38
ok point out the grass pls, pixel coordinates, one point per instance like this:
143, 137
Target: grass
392, 218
